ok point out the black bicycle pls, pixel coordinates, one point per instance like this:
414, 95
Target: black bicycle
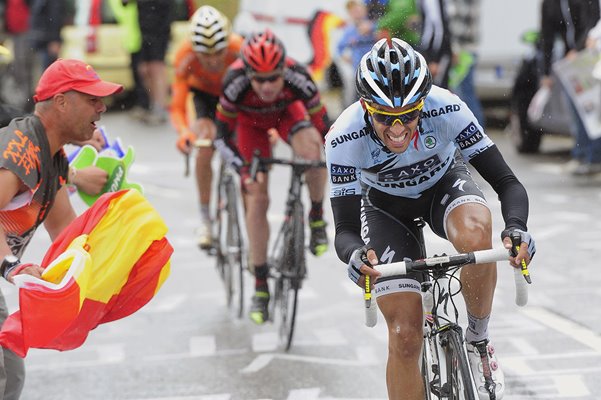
287, 260
228, 245
446, 370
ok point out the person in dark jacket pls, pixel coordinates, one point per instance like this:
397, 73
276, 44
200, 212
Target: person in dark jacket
570, 20
47, 18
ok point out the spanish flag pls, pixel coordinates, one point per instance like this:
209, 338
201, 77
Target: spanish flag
107, 264
320, 30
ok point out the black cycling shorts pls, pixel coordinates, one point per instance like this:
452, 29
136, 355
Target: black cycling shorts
205, 104
388, 223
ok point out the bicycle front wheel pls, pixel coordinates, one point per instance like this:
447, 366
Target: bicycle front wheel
429, 368
293, 272
459, 375
234, 251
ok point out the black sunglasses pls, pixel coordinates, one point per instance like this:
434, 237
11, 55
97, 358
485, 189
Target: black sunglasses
268, 78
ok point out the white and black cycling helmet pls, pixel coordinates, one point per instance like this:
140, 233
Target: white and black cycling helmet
393, 74
209, 29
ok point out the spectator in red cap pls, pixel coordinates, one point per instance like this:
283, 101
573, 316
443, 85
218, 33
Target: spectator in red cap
34, 171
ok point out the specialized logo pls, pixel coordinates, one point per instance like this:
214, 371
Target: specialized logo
430, 142
449, 108
469, 136
387, 256
348, 137
342, 174
459, 184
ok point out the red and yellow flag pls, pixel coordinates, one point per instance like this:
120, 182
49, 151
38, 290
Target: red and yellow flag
107, 264
320, 31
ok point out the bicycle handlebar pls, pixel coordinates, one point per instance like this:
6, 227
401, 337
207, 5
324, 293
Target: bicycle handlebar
258, 161
443, 262
197, 144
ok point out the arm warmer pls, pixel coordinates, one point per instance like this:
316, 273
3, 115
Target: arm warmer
346, 212
512, 194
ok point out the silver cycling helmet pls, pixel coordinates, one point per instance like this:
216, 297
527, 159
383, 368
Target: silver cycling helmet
209, 30
393, 74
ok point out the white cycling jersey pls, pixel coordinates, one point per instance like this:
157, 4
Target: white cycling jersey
355, 154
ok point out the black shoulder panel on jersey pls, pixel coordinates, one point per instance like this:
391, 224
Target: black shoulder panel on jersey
235, 82
299, 81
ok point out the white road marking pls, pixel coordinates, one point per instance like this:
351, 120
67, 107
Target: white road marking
203, 346
304, 394
571, 386
524, 346
163, 304
564, 326
204, 397
105, 354
162, 191
365, 357
267, 341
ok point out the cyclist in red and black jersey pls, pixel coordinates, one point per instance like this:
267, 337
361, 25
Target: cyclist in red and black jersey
265, 90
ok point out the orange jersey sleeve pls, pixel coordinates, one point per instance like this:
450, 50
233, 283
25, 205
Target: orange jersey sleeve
190, 74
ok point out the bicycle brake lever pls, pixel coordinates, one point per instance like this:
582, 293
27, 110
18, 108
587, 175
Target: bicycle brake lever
516, 241
187, 165
254, 165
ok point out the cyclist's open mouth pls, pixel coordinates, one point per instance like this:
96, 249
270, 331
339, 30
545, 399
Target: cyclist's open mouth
398, 141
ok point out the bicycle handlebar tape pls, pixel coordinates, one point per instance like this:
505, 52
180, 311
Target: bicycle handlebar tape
491, 255
521, 288
371, 314
396, 268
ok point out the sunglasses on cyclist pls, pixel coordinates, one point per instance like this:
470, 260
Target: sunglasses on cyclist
268, 78
388, 118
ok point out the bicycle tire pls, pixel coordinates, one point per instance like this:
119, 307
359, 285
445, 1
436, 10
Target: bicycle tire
293, 272
235, 251
429, 369
228, 243
459, 375
218, 246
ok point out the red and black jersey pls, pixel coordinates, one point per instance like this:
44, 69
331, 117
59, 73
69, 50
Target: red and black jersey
240, 106
25, 151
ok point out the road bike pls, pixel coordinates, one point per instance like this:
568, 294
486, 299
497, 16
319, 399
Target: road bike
445, 367
287, 260
229, 247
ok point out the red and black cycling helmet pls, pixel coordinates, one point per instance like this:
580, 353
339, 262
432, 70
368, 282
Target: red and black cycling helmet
263, 52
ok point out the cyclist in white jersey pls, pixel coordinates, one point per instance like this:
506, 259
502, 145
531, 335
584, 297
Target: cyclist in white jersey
399, 154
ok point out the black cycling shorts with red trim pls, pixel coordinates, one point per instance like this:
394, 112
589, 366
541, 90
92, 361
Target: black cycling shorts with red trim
389, 225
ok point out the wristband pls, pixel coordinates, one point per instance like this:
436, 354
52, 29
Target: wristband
8, 263
16, 269
71, 175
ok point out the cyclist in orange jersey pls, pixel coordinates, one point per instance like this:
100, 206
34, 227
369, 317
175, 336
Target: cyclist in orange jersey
199, 68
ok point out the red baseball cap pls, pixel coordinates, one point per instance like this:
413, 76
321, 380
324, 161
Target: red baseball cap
65, 74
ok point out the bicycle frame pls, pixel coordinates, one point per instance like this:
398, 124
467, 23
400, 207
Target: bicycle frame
287, 256
445, 366
441, 328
